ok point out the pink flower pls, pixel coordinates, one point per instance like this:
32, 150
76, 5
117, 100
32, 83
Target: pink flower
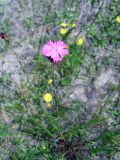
55, 51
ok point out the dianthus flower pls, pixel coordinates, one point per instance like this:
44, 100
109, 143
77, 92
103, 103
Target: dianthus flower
55, 51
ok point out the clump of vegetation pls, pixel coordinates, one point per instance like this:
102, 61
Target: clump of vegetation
35, 121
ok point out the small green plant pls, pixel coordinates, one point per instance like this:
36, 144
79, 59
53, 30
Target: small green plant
29, 22
5, 26
1, 11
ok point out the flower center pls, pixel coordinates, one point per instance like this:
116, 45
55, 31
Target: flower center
55, 48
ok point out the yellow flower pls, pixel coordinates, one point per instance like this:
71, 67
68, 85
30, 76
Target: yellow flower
47, 97
50, 81
118, 19
63, 31
73, 25
64, 24
49, 105
80, 41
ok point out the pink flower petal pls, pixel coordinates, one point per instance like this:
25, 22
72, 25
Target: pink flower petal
55, 56
46, 51
64, 52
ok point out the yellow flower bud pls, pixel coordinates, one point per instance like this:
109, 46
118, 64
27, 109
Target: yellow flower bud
118, 19
64, 25
73, 25
80, 41
47, 97
50, 81
63, 31
49, 105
